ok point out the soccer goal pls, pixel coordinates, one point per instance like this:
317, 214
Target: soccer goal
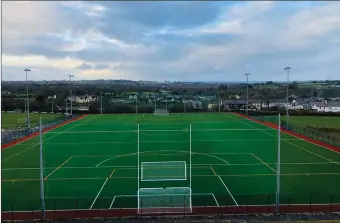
161, 112
164, 200
21, 121
164, 179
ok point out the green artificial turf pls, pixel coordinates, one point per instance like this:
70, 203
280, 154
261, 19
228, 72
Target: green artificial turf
93, 163
316, 121
10, 120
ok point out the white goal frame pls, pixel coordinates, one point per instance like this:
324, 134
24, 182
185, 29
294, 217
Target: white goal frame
163, 209
22, 120
164, 179
165, 113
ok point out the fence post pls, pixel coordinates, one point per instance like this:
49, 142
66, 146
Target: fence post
331, 202
289, 203
268, 209
12, 213
310, 202
76, 207
31, 204
54, 209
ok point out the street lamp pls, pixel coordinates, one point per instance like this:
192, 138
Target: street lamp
247, 74
101, 103
28, 104
71, 91
287, 69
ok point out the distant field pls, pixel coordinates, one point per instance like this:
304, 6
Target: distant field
316, 121
10, 120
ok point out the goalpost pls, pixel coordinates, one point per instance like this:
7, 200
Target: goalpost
164, 186
21, 121
161, 112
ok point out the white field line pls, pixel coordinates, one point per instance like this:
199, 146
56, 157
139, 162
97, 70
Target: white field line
113, 200
39, 142
206, 165
295, 144
258, 158
94, 201
215, 199
157, 130
165, 141
227, 190
136, 153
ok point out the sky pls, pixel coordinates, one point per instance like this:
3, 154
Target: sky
173, 41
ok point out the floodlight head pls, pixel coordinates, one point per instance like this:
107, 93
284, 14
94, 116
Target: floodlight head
288, 68
70, 75
27, 70
247, 74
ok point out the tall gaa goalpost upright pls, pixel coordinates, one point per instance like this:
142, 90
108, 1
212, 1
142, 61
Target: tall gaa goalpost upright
156, 192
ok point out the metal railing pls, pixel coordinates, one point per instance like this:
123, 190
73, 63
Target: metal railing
67, 208
8, 136
328, 138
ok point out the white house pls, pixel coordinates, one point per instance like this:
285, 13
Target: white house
131, 96
84, 99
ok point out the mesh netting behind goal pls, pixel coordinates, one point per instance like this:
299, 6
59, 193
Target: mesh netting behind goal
163, 171
164, 200
161, 112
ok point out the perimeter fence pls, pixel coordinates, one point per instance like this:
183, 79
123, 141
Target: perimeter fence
332, 139
68, 208
8, 136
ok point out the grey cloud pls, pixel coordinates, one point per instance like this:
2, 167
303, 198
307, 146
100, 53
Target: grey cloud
84, 66
101, 66
160, 14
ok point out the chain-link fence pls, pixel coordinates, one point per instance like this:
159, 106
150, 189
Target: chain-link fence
331, 139
8, 136
67, 208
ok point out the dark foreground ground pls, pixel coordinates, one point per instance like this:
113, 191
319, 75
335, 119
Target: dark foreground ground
298, 218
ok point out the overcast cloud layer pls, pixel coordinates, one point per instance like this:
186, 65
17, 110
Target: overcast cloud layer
175, 41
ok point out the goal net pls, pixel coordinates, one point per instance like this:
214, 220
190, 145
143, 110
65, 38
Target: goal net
22, 121
164, 168
161, 112
164, 200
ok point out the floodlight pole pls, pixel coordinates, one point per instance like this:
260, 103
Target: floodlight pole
101, 103
136, 104
185, 102
166, 102
52, 105
247, 74
42, 193
219, 101
28, 104
278, 168
71, 92
287, 110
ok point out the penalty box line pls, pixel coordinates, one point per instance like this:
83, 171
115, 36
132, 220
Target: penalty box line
100, 190
193, 194
219, 177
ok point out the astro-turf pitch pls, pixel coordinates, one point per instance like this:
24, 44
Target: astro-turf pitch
92, 163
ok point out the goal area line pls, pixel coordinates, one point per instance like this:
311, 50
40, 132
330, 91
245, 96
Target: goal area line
198, 166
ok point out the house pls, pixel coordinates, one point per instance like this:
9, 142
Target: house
84, 99
132, 96
326, 107
53, 97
